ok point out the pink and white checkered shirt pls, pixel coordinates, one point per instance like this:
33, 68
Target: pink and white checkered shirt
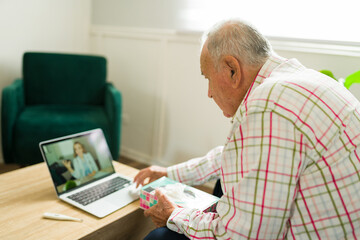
290, 167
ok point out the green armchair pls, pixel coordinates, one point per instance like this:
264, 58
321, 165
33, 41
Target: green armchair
59, 94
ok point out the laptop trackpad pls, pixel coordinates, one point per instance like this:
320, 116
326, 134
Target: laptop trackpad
123, 197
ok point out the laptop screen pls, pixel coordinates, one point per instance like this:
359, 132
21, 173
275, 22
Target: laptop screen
77, 159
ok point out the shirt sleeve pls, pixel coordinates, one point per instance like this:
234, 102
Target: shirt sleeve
77, 172
197, 171
261, 164
92, 163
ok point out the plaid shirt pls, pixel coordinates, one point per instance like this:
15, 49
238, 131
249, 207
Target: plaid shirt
290, 166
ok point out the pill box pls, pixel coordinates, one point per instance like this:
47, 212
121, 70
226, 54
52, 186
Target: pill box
181, 194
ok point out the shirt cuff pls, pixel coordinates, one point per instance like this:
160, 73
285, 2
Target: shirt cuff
175, 216
172, 173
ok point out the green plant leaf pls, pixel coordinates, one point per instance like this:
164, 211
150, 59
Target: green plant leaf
352, 78
328, 73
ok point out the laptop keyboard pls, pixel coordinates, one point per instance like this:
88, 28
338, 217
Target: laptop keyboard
92, 194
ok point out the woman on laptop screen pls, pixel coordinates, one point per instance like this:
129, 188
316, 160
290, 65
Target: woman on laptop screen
84, 164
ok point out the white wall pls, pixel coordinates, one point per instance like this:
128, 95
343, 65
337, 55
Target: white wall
320, 19
163, 14
153, 51
168, 117
40, 25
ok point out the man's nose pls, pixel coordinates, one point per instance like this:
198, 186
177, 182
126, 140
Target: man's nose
209, 93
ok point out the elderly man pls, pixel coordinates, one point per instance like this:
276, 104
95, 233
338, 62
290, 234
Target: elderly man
290, 167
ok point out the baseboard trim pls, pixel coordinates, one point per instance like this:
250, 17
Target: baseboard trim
140, 157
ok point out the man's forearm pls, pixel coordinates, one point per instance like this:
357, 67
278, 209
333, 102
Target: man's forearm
197, 171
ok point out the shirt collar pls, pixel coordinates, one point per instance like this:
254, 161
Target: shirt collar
273, 62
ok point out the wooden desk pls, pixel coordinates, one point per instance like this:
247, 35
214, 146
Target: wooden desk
27, 193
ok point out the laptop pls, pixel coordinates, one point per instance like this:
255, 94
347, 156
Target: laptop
81, 169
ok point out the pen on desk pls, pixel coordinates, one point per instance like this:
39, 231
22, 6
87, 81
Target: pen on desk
57, 216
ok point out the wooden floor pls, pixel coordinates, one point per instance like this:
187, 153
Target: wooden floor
132, 163
8, 167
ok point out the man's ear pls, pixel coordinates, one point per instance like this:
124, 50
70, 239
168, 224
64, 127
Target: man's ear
232, 69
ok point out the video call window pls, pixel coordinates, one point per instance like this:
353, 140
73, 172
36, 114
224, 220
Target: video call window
77, 161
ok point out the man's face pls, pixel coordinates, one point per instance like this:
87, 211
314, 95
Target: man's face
220, 88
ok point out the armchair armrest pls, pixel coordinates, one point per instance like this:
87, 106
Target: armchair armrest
113, 108
12, 104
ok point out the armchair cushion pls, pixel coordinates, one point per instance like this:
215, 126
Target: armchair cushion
43, 122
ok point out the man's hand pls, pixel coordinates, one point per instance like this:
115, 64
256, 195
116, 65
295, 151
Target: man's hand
67, 164
152, 173
161, 211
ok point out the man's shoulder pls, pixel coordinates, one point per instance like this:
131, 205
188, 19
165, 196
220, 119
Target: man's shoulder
281, 83
287, 90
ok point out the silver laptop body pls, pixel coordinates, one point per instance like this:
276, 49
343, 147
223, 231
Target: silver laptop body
81, 168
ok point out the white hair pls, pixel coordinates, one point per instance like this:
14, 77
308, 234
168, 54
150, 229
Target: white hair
238, 39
